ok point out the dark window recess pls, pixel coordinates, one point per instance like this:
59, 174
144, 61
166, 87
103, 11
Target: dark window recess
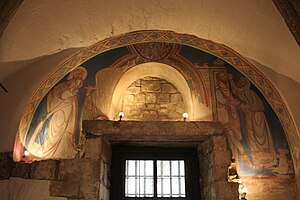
154, 173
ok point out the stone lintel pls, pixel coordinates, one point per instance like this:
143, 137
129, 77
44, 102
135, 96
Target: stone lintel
152, 130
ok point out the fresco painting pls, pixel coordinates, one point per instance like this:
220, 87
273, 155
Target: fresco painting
249, 133
54, 136
258, 133
227, 108
90, 110
254, 132
55, 129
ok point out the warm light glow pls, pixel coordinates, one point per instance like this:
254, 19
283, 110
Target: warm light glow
185, 116
121, 115
152, 69
245, 190
26, 153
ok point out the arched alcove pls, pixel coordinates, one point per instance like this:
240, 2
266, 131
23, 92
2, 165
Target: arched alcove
209, 61
152, 69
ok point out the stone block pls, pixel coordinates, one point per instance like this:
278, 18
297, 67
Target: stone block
176, 98
213, 194
64, 189
163, 111
150, 115
6, 165
226, 191
207, 146
207, 177
78, 169
141, 129
106, 152
210, 176
220, 173
90, 169
204, 179
103, 193
175, 115
128, 99
27, 189
77, 198
150, 97
133, 90
206, 193
152, 106
140, 105
168, 88
179, 108
204, 165
150, 86
44, 170
21, 170
70, 170
89, 190
203, 149
4, 186
134, 112
222, 158
137, 83
129, 109
93, 148
163, 98
208, 160
151, 78
126, 109
220, 143
140, 97
105, 173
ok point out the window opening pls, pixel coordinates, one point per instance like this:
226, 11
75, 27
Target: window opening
139, 178
154, 173
170, 178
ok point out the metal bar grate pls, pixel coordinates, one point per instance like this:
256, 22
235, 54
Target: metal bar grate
171, 178
139, 178
155, 178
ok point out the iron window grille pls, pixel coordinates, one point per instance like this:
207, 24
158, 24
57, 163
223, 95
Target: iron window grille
154, 173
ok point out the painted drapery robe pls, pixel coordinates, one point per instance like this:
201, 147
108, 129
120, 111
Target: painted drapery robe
234, 100
259, 137
54, 137
228, 115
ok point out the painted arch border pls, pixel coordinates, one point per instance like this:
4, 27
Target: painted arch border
219, 50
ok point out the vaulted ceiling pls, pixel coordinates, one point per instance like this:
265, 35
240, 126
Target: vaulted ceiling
38, 35
255, 29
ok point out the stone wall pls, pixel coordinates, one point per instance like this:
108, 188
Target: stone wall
26, 189
27, 181
153, 99
214, 157
87, 177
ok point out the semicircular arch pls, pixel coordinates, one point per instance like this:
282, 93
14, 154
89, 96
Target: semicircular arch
154, 69
236, 60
